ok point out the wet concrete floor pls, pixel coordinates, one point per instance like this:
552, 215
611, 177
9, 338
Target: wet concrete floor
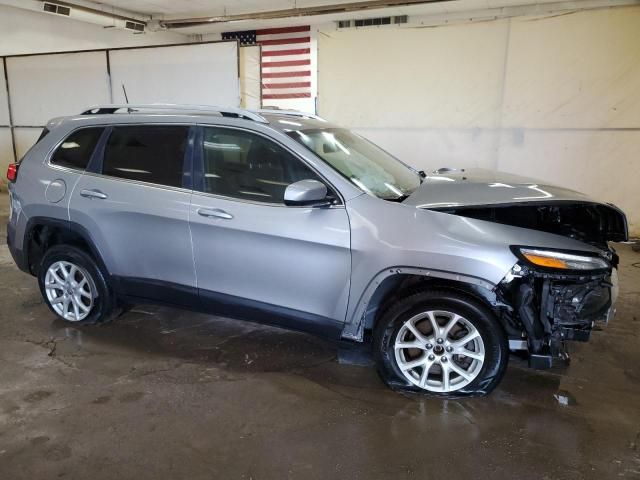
164, 393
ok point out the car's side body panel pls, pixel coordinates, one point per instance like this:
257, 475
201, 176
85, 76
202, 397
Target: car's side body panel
44, 190
389, 236
141, 229
297, 258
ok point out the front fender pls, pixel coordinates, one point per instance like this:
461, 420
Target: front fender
387, 236
354, 328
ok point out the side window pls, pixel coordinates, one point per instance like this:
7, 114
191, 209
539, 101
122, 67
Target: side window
77, 148
147, 153
248, 166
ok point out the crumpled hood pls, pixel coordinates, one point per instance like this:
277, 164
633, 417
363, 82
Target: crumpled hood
475, 187
521, 202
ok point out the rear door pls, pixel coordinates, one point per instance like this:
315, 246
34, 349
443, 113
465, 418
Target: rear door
134, 203
255, 256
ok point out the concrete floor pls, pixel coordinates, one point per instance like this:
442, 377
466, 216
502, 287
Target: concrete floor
170, 394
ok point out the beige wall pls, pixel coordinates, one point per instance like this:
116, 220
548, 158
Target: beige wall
555, 98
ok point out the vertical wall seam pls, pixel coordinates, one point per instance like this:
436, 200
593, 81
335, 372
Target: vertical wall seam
109, 85
500, 106
11, 127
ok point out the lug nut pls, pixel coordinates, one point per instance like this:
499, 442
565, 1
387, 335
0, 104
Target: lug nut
443, 359
449, 349
439, 340
431, 357
429, 346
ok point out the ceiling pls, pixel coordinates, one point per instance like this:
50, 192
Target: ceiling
213, 16
174, 9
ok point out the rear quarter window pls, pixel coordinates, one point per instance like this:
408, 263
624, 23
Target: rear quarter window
75, 151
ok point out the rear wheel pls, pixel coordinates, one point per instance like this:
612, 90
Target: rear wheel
440, 342
74, 287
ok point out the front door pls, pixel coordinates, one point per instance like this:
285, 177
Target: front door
256, 257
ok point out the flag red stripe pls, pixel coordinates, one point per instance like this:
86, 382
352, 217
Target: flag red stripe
280, 53
272, 31
287, 85
306, 73
272, 96
285, 41
289, 63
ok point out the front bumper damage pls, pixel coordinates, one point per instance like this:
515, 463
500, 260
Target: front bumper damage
547, 310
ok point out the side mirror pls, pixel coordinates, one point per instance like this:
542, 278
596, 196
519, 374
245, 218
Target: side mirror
306, 193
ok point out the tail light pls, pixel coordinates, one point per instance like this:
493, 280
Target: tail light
12, 172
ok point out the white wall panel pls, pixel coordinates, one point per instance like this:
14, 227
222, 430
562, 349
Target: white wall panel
45, 86
250, 88
433, 148
6, 155
25, 139
577, 71
4, 101
25, 31
413, 78
192, 74
429, 96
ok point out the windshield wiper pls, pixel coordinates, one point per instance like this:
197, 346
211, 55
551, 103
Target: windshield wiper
399, 199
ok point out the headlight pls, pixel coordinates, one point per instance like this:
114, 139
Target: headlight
561, 260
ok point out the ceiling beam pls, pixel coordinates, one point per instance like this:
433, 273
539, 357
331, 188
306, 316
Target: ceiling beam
295, 12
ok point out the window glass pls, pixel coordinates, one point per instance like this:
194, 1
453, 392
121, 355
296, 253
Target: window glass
149, 153
244, 165
77, 148
367, 166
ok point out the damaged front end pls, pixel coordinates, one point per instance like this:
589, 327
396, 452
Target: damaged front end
557, 296
550, 296
552, 306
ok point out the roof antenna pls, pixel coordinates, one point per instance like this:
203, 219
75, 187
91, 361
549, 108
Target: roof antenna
126, 98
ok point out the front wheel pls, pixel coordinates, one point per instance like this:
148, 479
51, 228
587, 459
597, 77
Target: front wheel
440, 342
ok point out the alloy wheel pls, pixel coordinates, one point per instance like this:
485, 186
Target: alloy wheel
70, 290
439, 351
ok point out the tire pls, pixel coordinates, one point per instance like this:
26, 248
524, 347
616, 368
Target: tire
402, 356
82, 303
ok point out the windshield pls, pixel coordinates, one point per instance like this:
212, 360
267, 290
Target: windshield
369, 167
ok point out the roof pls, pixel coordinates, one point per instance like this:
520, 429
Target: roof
282, 120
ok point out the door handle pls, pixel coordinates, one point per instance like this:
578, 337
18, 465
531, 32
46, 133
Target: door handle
214, 212
93, 194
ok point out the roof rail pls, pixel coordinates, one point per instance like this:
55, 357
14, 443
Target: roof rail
293, 113
200, 109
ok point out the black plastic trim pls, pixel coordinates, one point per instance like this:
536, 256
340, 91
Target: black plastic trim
266, 313
95, 162
142, 290
156, 291
65, 225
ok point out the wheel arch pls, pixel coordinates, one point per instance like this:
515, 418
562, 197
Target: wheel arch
42, 233
394, 283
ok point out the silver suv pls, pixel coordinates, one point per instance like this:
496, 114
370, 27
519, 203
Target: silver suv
283, 218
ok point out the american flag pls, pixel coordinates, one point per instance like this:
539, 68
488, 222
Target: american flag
285, 61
